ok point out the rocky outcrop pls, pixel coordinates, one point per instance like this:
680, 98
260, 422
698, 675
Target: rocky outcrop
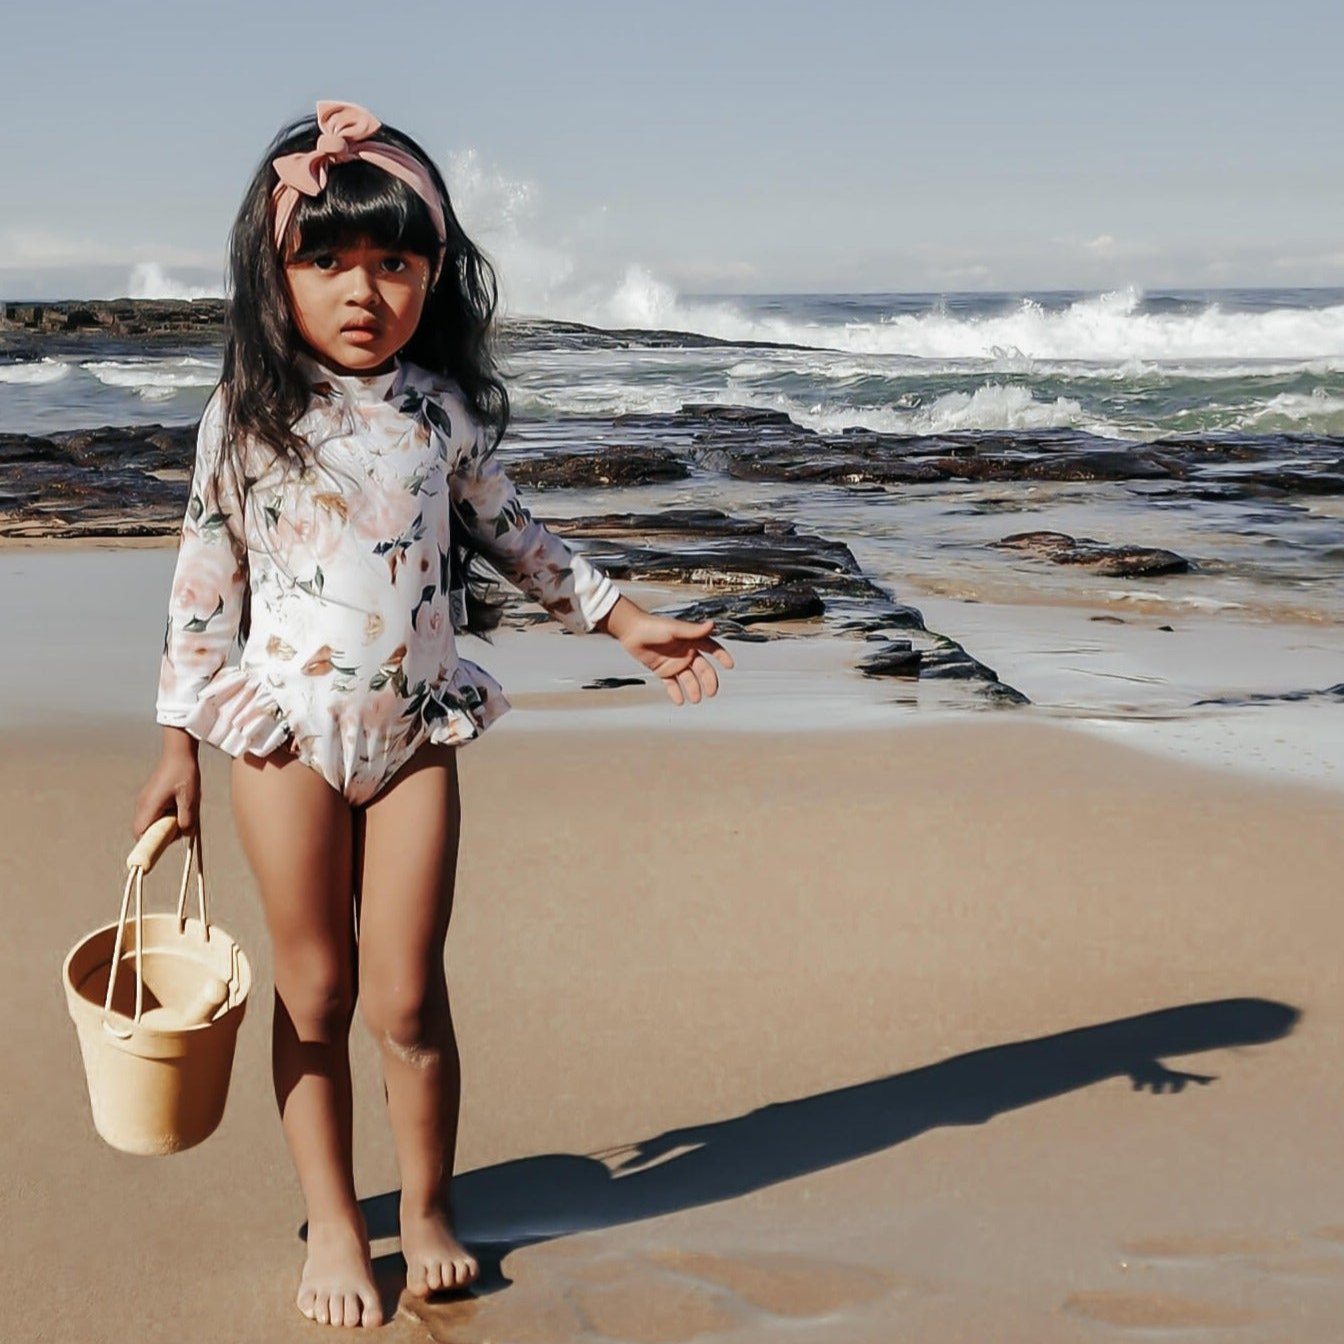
152, 318
750, 443
789, 601
1329, 693
604, 466
1116, 561
107, 482
114, 317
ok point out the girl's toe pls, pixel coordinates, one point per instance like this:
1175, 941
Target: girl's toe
415, 1280
373, 1312
353, 1309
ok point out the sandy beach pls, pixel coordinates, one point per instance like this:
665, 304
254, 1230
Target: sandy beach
968, 970
986, 1030
730, 1069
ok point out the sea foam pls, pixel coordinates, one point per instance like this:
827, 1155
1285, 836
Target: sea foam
992, 406
1110, 328
154, 379
34, 372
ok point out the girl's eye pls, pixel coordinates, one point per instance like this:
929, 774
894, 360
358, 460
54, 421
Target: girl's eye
395, 264
324, 261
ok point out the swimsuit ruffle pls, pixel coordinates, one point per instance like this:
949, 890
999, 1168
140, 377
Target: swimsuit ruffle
473, 700
238, 715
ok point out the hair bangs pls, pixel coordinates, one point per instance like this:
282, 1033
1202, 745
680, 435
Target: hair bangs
363, 204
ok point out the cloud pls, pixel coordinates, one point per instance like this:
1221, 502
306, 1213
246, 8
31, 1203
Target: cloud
973, 273
41, 248
1104, 247
1317, 261
711, 275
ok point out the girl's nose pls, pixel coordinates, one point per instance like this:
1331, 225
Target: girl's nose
362, 288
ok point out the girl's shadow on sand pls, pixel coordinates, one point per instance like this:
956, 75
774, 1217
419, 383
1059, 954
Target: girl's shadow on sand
534, 1199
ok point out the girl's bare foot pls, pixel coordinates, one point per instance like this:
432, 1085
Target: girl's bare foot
337, 1287
435, 1260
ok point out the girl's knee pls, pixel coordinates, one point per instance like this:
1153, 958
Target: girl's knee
319, 1001
406, 1019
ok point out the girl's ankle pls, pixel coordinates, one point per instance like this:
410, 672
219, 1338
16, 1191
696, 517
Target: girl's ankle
337, 1217
422, 1206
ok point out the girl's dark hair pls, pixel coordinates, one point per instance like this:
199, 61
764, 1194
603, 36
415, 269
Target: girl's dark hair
267, 391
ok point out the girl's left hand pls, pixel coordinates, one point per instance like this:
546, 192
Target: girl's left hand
675, 650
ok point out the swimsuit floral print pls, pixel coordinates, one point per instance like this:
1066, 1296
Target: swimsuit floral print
349, 569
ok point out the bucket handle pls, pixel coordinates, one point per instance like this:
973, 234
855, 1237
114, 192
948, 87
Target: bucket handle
148, 849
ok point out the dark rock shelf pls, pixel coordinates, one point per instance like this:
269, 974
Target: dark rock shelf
1124, 562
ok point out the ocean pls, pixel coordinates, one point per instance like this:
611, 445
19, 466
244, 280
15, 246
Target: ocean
1239, 394
1126, 365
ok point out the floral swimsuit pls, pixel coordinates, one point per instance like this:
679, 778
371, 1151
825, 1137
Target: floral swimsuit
351, 657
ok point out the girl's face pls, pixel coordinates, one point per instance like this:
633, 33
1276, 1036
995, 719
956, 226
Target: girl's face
356, 306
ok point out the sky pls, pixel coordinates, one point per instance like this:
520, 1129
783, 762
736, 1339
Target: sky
610, 156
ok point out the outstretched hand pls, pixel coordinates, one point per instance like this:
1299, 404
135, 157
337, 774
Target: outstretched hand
1157, 1077
675, 650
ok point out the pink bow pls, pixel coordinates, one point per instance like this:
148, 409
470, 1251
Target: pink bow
346, 133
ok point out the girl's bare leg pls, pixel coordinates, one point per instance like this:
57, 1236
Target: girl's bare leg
409, 866
296, 832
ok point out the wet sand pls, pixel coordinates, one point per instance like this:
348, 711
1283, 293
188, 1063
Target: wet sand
988, 1030
91, 618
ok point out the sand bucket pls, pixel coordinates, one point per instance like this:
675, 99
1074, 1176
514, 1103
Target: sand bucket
157, 1004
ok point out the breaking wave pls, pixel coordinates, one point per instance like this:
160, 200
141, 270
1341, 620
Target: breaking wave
1116, 328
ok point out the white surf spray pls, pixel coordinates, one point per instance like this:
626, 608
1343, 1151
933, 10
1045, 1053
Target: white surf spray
1107, 329
149, 280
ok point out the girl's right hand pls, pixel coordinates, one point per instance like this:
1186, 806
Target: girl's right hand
174, 789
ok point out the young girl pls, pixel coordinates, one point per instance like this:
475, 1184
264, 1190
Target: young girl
345, 478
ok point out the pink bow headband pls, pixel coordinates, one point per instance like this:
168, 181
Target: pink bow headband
346, 133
